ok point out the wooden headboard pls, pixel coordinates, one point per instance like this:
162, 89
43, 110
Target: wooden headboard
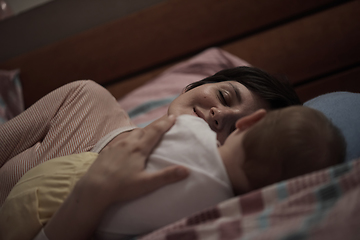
314, 43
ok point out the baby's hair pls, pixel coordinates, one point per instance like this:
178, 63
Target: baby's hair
298, 140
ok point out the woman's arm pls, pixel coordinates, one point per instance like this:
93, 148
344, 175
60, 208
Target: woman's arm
63, 115
31, 126
71, 119
116, 176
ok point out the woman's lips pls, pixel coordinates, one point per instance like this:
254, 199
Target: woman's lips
198, 113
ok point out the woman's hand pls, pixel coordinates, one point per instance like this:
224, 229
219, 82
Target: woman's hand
117, 175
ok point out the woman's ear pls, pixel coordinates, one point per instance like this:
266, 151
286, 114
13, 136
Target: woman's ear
249, 120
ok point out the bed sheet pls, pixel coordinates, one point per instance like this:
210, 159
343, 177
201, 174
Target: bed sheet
320, 205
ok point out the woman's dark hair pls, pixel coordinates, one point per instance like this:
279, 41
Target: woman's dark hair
276, 93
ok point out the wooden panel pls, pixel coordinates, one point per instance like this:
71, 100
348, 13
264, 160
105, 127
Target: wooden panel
345, 81
308, 47
166, 31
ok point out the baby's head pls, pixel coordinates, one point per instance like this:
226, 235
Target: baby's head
270, 147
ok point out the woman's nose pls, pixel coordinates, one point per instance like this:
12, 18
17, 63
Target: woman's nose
221, 117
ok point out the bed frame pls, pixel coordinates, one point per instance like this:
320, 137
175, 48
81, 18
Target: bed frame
316, 44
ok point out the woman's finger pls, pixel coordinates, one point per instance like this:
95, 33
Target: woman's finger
154, 132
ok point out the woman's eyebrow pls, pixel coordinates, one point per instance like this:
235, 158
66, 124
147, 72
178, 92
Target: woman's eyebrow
237, 92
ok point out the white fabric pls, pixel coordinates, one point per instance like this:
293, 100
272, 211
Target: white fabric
110, 136
191, 143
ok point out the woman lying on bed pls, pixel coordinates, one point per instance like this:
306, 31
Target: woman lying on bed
72, 119
265, 148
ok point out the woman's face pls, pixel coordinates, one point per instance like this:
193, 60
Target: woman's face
219, 104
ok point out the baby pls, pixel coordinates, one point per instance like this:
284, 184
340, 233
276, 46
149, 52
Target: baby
265, 148
279, 145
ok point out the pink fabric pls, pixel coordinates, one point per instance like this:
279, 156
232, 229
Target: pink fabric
71, 119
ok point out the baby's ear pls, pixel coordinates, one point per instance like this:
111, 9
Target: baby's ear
249, 120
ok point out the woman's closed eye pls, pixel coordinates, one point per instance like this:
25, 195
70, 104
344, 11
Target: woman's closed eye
223, 99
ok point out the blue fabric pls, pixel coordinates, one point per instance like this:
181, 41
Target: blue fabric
343, 109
